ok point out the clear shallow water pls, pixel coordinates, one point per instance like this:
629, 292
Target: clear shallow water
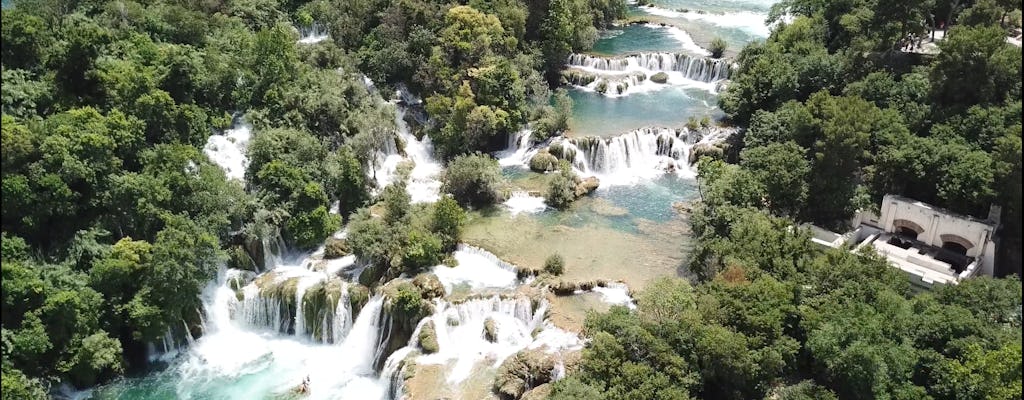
636, 38
597, 115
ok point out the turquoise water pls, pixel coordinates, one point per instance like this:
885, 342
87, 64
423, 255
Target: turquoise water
635, 38
649, 200
597, 115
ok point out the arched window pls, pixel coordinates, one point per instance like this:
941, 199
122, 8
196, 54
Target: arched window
906, 228
955, 247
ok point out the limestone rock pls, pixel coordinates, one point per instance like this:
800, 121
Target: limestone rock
587, 186
490, 330
523, 371
428, 284
659, 77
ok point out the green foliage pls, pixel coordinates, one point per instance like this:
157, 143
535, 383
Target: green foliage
562, 187
17, 386
473, 180
447, 222
554, 264
976, 67
718, 46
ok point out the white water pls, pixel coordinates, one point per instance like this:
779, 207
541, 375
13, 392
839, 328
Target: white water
523, 202
313, 34
478, 268
462, 345
615, 294
622, 76
640, 154
232, 361
227, 150
518, 151
423, 185
748, 21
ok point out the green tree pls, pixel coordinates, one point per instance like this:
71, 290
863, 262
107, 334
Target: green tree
473, 180
782, 169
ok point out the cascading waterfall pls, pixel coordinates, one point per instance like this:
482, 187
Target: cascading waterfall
620, 76
423, 185
641, 153
313, 33
694, 68
518, 150
518, 323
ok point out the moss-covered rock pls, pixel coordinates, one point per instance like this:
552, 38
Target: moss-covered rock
602, 87
238, 258
523, 371
543, 162
371, 275
318, 308
240, 279
705, 150
336, 248
405, 307
430, 287
561, 152
428, 338
541, 392
490, 330
358, 296
659, 77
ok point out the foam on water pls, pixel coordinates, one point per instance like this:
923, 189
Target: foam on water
616, 294
747, 21
477, 268
523, 202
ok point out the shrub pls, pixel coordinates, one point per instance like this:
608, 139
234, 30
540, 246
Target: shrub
555, 264
473, 180
562, 188
718, 46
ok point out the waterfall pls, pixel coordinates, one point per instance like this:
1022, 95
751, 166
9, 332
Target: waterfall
300, 294
313, 34
363, 343
423, 185
342, 321
460, 328
518, 151
273, 249
693, 68
228, 150
478, 269
644, 152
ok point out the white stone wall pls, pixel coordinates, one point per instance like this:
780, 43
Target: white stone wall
936, 225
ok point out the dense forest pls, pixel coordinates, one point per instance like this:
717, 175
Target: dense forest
113, 218
836, 116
